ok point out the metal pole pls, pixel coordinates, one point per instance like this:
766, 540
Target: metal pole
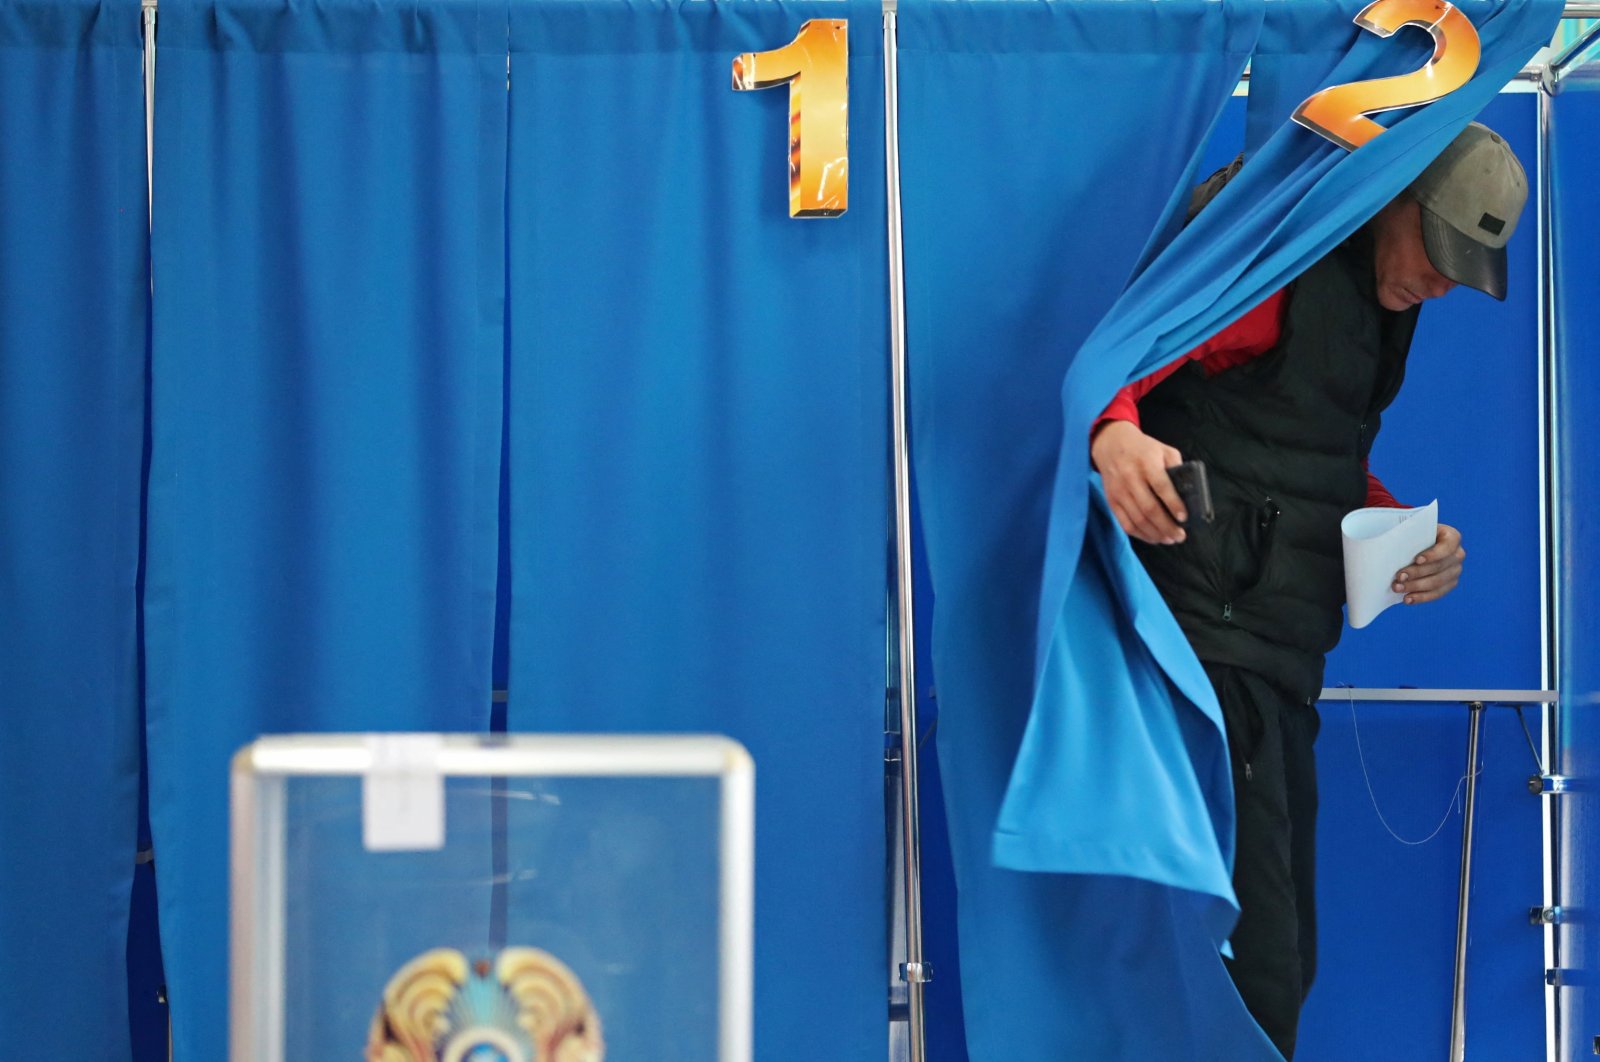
1438, 696
915, 972
1549, 546
147, 12
1548, 591
1570, 56
148, 9
1458, 1017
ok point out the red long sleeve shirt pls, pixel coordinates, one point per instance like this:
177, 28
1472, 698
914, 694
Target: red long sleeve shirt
1247, 338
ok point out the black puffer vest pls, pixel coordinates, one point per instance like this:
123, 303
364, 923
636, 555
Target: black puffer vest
1284, 438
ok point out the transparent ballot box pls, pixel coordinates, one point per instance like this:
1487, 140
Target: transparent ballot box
539, 898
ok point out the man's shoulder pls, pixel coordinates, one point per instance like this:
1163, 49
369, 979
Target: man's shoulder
1211, 186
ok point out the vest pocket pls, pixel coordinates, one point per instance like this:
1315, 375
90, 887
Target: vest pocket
1244, 551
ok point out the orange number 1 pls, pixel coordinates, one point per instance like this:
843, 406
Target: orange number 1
1340, 113
817, 64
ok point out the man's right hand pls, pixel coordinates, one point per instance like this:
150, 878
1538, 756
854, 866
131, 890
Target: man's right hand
1134, 468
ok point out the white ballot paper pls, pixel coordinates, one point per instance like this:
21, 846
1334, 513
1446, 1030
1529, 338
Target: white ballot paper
1377, 544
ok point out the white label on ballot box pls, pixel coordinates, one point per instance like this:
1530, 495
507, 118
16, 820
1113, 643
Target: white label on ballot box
402, 796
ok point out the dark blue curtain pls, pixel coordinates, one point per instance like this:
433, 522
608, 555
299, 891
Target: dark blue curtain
698, 453
327, 370
73, 284
1575, 132
1044, 146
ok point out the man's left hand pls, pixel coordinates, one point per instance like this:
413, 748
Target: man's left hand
1436, 572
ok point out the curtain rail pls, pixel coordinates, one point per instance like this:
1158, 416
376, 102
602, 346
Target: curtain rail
1583, 9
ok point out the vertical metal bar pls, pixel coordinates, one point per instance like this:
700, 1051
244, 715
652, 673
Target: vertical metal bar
736, 922
268, 976
258, 902
1549, 550
1458, 1016
148, 8
1547, 588
244, 888
916, 972
147, 11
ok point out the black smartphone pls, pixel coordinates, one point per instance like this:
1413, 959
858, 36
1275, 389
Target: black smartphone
1190, 480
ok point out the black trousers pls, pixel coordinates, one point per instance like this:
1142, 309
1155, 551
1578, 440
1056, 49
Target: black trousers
1270, 739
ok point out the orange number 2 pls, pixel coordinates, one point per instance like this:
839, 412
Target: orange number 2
1340, 113
816, 64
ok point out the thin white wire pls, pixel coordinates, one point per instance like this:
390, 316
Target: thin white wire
1449, 810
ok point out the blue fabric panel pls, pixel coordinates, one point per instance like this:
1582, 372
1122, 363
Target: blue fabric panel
1386, 911
1576, 226
1298, 197
946, 1029
698, 459
73, 283
327, 366
1031, 184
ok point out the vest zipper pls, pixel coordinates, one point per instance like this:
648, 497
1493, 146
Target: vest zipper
1266, 526
1249, 775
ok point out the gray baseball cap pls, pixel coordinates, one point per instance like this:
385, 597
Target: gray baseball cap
1472, 196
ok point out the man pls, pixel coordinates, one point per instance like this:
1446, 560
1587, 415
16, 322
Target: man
1283, 407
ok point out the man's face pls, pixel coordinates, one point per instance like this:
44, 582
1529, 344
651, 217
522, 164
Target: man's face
1405, 276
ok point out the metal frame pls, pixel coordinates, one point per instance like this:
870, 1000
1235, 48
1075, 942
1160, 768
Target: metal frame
915, 971
1458, 1004
1439, 696
147, 14
1549, 589
258, 779
1551, 514
147, 24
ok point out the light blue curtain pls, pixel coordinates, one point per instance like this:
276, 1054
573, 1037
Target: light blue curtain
698, 458
1293, 202
1044, 145
73, 283
1297, 198
327, 369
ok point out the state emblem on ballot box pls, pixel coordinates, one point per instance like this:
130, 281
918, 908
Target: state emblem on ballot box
520, 1005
